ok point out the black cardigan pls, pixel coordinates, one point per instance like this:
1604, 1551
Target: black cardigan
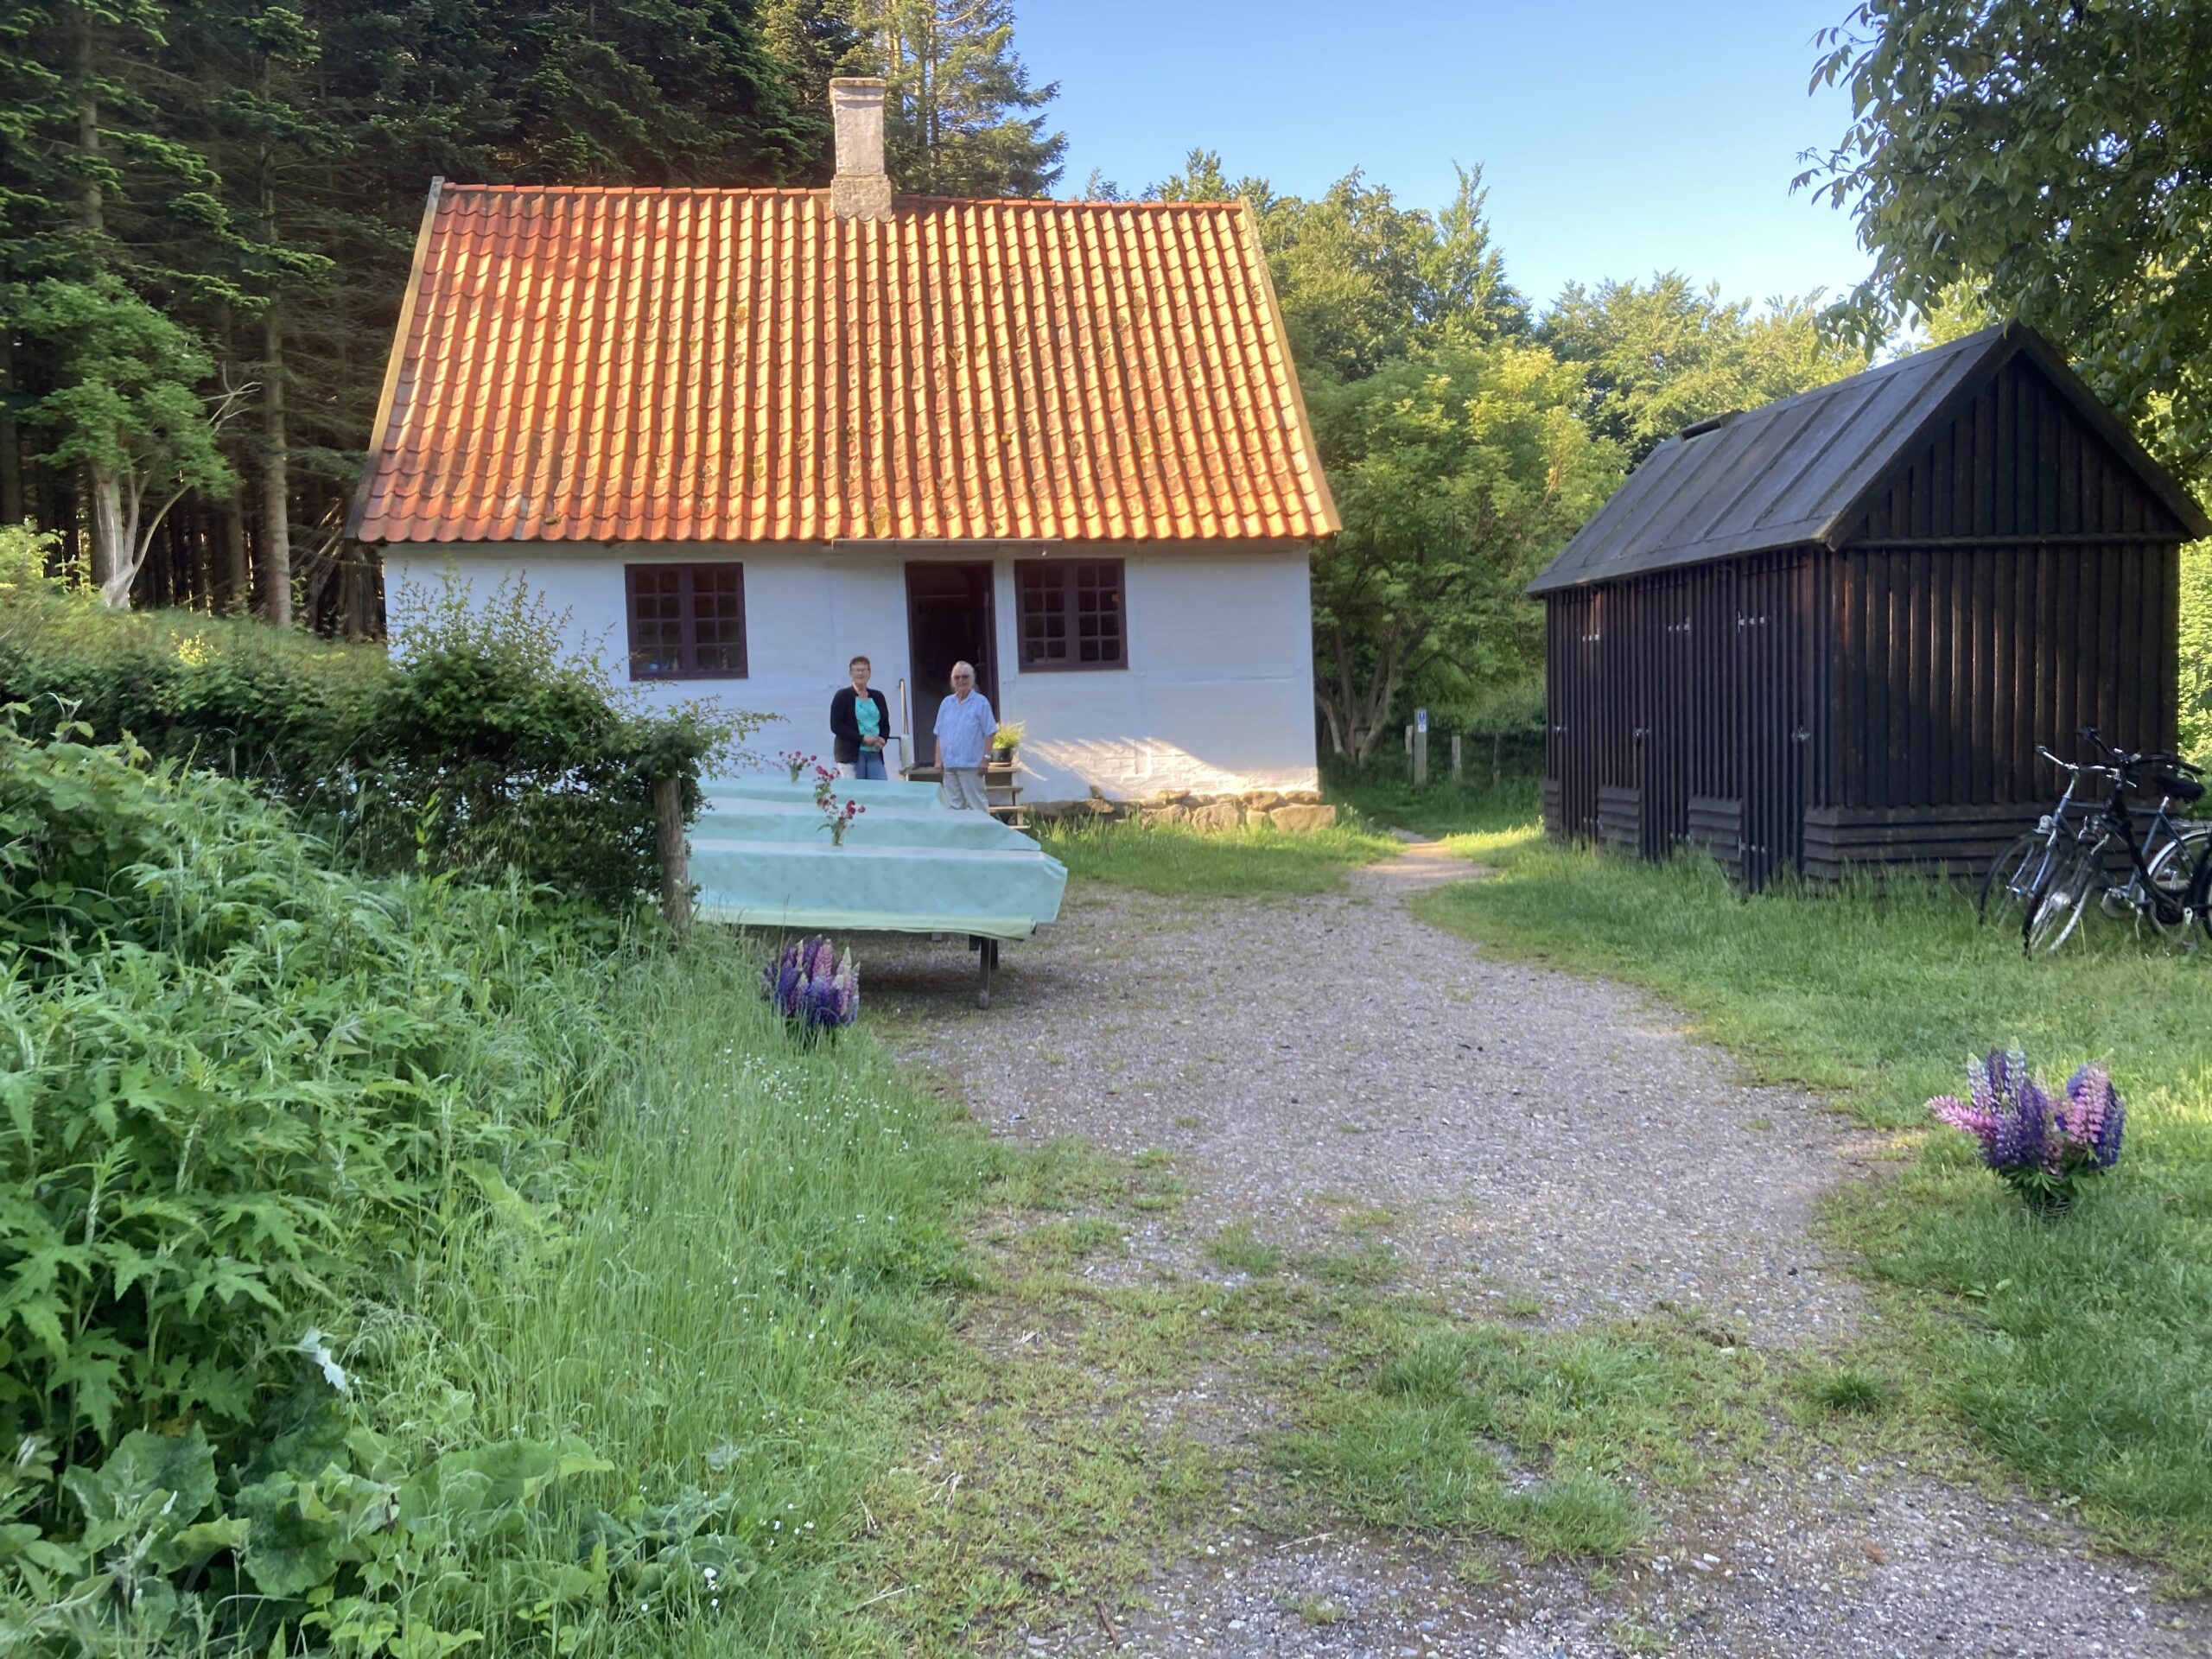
845, 725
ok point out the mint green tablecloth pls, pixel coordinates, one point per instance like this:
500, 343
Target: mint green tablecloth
760, 858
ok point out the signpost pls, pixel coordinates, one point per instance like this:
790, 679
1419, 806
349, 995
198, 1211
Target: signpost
1421, 747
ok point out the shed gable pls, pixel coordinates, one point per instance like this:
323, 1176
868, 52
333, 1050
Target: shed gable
1809, 470
2017, 462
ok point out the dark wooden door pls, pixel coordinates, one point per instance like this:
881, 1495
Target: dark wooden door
949, 619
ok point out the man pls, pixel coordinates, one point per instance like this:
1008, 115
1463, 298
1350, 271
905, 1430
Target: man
965, 726
860, 723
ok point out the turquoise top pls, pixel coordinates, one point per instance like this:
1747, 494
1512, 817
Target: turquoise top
866, 715
909, 865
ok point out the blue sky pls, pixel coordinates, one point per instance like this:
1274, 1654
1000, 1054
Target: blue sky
1616, 137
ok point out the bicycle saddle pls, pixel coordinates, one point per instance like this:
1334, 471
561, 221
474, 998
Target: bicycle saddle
2182, 788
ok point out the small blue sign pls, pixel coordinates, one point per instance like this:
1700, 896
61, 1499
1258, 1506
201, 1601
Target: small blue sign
1421, 720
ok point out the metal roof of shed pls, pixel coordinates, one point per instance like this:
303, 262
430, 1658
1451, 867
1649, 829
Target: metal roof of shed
1803, 469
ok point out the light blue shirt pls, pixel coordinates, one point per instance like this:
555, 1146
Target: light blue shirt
964, 729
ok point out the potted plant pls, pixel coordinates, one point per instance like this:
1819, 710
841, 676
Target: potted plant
2042, 1140
1008, 743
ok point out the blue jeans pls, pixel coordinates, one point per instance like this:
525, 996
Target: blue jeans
870, 765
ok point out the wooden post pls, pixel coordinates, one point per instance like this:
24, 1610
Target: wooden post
1421, 757
1497, 759
1409, 743
1455, 760
675, 854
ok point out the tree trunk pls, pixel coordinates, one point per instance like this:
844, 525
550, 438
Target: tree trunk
11, 453
113, 569
237, 584
92, 212
275, 492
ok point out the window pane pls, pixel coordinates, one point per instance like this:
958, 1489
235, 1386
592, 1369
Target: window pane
1044, 618
656, 622
686, 619
1098, 612
718, 618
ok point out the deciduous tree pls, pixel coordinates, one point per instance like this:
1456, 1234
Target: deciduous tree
2053, 156
128, 408
1661, 355
1458, 472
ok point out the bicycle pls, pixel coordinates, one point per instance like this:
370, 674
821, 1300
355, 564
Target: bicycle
2165, 866
2015, 873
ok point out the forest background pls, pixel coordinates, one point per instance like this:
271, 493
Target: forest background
207, 212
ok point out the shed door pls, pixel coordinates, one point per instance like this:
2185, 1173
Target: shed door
1773, 598
1671, 722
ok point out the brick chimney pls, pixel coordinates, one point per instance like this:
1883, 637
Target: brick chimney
861, 188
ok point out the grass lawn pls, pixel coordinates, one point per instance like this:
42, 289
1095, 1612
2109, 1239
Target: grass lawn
758, 1271
2081, 1351
1170, 859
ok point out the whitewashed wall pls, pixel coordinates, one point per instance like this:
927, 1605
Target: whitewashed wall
1217, 697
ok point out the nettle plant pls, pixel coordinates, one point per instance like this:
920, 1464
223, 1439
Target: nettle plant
238, 1085
2043, 1142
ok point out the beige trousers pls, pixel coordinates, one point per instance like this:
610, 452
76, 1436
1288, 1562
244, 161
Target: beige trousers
963, 787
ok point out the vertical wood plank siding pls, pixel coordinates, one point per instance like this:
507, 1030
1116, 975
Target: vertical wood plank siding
1880, 702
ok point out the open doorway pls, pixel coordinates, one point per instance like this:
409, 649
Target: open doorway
948, 619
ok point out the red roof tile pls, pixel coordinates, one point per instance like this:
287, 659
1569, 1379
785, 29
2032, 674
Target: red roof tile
600, 365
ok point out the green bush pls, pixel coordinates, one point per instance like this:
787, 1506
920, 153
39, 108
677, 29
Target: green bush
486, 747
240, 1085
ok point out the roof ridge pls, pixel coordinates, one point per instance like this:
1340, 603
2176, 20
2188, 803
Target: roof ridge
783, 191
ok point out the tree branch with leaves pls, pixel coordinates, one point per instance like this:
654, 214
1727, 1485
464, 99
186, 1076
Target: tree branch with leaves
1458, 474
128, 408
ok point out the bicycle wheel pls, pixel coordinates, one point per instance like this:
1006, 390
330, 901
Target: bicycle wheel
2200, 894
2055, 910
2013, 876
2169, 904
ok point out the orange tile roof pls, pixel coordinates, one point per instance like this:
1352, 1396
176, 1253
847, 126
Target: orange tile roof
600, 365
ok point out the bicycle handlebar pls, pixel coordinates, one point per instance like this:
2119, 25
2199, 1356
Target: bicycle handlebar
2130, 762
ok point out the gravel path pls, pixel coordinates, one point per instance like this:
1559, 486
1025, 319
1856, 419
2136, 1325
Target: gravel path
1528, 1141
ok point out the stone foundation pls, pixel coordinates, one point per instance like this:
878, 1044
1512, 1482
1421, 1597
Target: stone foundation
1298, 810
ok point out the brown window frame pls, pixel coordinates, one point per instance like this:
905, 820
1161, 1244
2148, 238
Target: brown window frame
687, 620
1068, 575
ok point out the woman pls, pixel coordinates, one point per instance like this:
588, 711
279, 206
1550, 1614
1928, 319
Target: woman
860, 723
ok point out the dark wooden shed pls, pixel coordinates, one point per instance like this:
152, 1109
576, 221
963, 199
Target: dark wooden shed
1832, 631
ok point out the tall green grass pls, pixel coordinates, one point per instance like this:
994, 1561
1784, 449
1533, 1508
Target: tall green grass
1172, 860
389, 1266
761, 1263
2084, 1354
1384, 794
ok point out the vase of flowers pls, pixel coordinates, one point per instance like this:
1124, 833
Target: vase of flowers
2043, 1142
1008, 743
838, 819
796, 762
816, 991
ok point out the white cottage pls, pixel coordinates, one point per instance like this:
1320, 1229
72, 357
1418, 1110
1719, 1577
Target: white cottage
739, 436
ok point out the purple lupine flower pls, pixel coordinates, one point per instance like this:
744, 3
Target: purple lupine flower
811, 987
1974, 1119
2023, 1135
2039, 1142
2096, 1117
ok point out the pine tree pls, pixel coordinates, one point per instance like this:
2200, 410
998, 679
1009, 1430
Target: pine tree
963, 119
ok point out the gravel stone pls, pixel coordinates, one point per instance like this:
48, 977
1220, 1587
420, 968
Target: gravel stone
1514, 1133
